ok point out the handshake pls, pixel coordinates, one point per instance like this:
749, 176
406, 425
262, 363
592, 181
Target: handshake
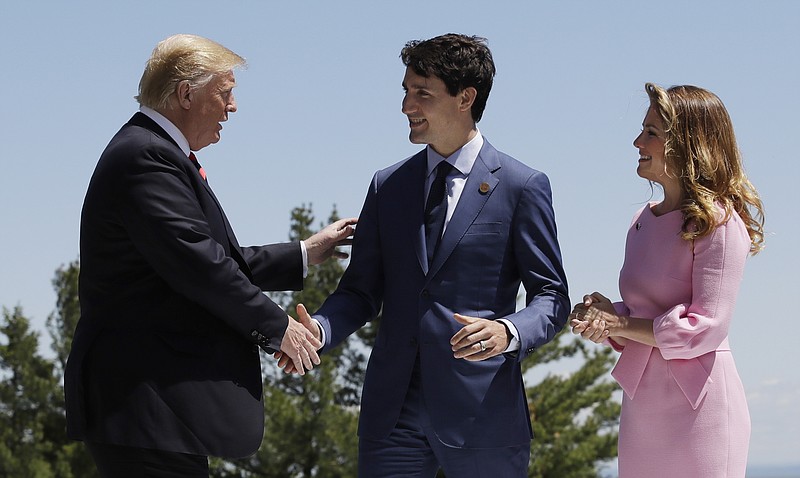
300, 344
301, 341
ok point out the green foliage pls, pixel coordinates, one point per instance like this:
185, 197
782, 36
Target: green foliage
574, 417
61, 323
33, 440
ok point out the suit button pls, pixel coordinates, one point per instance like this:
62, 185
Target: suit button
530, 350
425, 293
254, 333
413, 342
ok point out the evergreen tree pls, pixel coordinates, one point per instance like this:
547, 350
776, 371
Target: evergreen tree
32, 424
61, 323
61, 327
574, 417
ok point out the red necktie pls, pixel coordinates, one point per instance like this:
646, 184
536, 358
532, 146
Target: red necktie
200, 169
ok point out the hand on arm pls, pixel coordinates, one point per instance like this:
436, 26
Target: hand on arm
322, 245
479, 339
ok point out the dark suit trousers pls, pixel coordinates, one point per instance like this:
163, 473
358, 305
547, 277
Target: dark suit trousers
412, 449
114, 461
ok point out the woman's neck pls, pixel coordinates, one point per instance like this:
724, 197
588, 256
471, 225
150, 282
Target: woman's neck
673, 198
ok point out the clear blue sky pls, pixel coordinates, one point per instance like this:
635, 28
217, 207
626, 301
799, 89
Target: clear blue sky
319, 112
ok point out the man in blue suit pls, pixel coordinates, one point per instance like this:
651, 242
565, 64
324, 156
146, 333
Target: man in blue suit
443, 388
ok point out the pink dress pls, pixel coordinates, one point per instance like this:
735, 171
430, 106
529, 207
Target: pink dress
684, 412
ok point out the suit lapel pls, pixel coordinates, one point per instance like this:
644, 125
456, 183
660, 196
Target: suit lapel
473, 198
418, 167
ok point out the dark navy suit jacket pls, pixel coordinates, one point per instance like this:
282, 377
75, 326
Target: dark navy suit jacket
165, 354
496, 239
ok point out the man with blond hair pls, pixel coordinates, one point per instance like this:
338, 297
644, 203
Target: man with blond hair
164, 368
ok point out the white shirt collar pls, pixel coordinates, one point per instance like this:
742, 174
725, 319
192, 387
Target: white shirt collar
169, 127
463, 159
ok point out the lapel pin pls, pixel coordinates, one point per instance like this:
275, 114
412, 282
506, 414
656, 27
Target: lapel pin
484, 188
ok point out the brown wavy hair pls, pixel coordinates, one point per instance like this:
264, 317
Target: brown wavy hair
700, 149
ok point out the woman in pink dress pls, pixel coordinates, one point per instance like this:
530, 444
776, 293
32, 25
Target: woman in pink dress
684, 412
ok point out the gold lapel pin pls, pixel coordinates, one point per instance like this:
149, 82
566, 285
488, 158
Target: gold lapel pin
484, 188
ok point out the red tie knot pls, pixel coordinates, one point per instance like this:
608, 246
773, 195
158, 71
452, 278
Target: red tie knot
200, 169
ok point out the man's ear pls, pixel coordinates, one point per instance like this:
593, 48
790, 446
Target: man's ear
184, 94
467, 98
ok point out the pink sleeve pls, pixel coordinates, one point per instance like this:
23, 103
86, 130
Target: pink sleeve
691, 330
621, 308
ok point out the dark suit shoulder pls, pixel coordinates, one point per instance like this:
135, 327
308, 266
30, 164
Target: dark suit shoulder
411, 163
143, 137
139, 146
411, 169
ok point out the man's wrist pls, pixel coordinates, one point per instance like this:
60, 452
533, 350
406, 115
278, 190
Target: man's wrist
512, 335
321, 331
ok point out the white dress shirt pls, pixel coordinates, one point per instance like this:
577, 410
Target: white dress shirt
462, 161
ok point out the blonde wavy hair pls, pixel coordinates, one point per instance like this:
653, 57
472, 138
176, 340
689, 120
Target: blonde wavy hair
700, 149
180, 58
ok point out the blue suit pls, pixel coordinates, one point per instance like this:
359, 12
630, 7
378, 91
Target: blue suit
498, 237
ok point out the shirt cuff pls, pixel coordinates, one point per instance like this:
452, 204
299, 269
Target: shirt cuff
513, 344
305, 258
321, 330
